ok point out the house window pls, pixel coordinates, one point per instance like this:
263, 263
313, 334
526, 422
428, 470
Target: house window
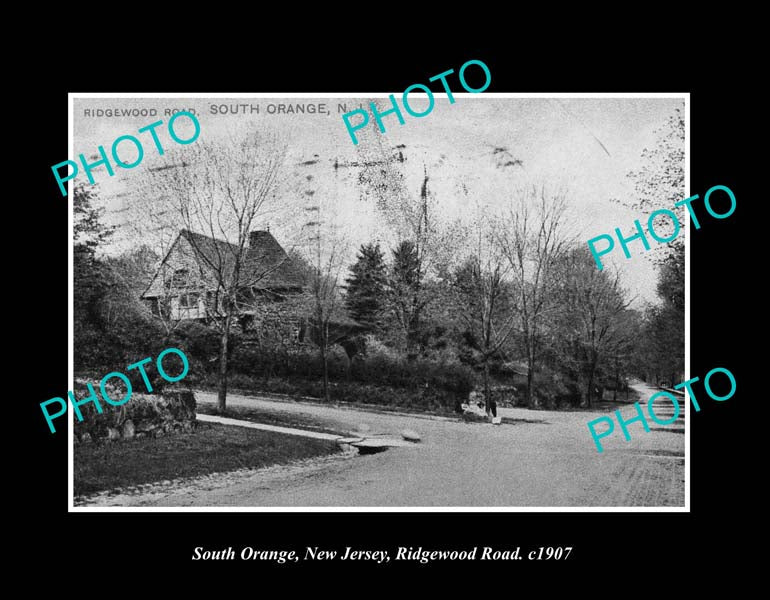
189, 300
180, 278
187, 306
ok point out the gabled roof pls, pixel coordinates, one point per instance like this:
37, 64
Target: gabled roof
214, 251
266, 265
266, 258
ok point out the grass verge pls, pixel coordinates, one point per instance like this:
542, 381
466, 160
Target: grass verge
281, 419
213, 448
335, 401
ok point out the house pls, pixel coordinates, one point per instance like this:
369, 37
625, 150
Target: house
189, 283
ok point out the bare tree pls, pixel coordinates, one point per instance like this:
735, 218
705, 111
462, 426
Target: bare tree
327, 251
151, 220
327, 323
217, 192
530, 234
623, 348
593, 322
659, 181
484, 302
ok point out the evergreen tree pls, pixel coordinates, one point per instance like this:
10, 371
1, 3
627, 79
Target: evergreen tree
365, 299
90, 274
405, 293
90, 233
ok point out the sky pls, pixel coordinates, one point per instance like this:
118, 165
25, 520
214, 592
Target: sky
584, 147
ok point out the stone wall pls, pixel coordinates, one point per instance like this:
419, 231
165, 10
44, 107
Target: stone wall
143, 415
280, 322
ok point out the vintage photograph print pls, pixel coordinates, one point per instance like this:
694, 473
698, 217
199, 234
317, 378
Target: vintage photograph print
335, 302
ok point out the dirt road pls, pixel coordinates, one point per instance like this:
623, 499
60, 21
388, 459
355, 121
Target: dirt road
546, 459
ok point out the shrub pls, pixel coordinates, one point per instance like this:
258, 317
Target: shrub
199, 341
382, 369
376, 368
552, 389
376, 379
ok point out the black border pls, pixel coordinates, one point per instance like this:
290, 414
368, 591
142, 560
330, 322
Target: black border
619, 542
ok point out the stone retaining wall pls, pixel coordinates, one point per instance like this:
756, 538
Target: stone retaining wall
143, 415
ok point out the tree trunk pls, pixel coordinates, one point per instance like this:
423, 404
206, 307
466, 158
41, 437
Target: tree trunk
530, 343
487, 399
222, 398
411, 343
591, 376
325, 368
530, 377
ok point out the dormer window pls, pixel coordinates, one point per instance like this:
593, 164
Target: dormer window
180, 278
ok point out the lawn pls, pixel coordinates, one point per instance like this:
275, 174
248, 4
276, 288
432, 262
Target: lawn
213, 448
